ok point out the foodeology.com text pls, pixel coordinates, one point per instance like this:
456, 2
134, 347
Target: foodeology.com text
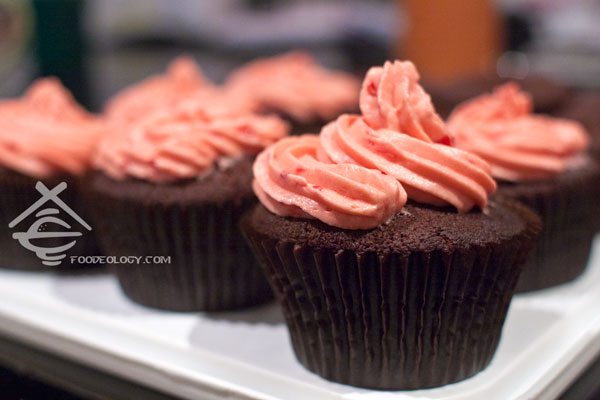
121, 259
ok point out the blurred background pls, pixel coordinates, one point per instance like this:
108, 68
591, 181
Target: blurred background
98, 47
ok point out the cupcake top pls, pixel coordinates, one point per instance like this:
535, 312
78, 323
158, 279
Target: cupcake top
295, 85
519, 145
185, 142
46, 132
387, 155
183, 80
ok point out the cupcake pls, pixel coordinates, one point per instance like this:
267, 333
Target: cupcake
548, 95
173, 185
183, 80
294, 86
540, 161
46, 144
392, 268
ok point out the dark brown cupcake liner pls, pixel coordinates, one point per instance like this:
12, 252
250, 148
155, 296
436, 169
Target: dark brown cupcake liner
570, 217
211, 266
17, 193
392, 320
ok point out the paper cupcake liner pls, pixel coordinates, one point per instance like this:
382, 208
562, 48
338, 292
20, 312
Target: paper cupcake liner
570, 221
393, 321
211, 267
562, 250
17, 193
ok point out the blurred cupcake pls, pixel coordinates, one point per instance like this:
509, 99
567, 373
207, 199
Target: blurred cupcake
540, 161
46, 139
174, 185
378, 292
182, 81
297, 88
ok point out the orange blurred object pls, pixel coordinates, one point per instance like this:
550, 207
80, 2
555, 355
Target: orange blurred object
449, 39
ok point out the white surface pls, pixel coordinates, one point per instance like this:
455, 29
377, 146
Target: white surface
548, 339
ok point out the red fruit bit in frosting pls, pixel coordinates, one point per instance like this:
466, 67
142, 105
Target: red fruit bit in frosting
372, 89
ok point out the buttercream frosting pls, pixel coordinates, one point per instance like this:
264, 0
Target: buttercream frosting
519, 145
291, 179
185, 142
295, 85
46, 132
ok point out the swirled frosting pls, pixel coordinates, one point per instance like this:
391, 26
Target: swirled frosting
294, 84
431, 173
291, 179
182, 81
360, 170
184, 142
392, 98
519, 145
46, 132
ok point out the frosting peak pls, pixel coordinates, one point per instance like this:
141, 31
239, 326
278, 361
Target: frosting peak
185, 142
519, 145
291, 179
46, 132
392, 98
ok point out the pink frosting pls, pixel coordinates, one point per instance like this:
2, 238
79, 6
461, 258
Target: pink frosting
519, 145
431, 173
182, 81
361, 169
392, 98
294, 84
46, 132
291, 179
185, 142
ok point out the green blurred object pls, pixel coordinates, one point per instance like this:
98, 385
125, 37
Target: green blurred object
59, 45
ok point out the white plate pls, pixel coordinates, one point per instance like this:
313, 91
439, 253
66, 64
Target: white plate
548, 339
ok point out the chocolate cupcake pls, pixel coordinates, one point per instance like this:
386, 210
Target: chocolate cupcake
548, 95
46, 143
295, 87
377, 292
173, 186
540, 161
